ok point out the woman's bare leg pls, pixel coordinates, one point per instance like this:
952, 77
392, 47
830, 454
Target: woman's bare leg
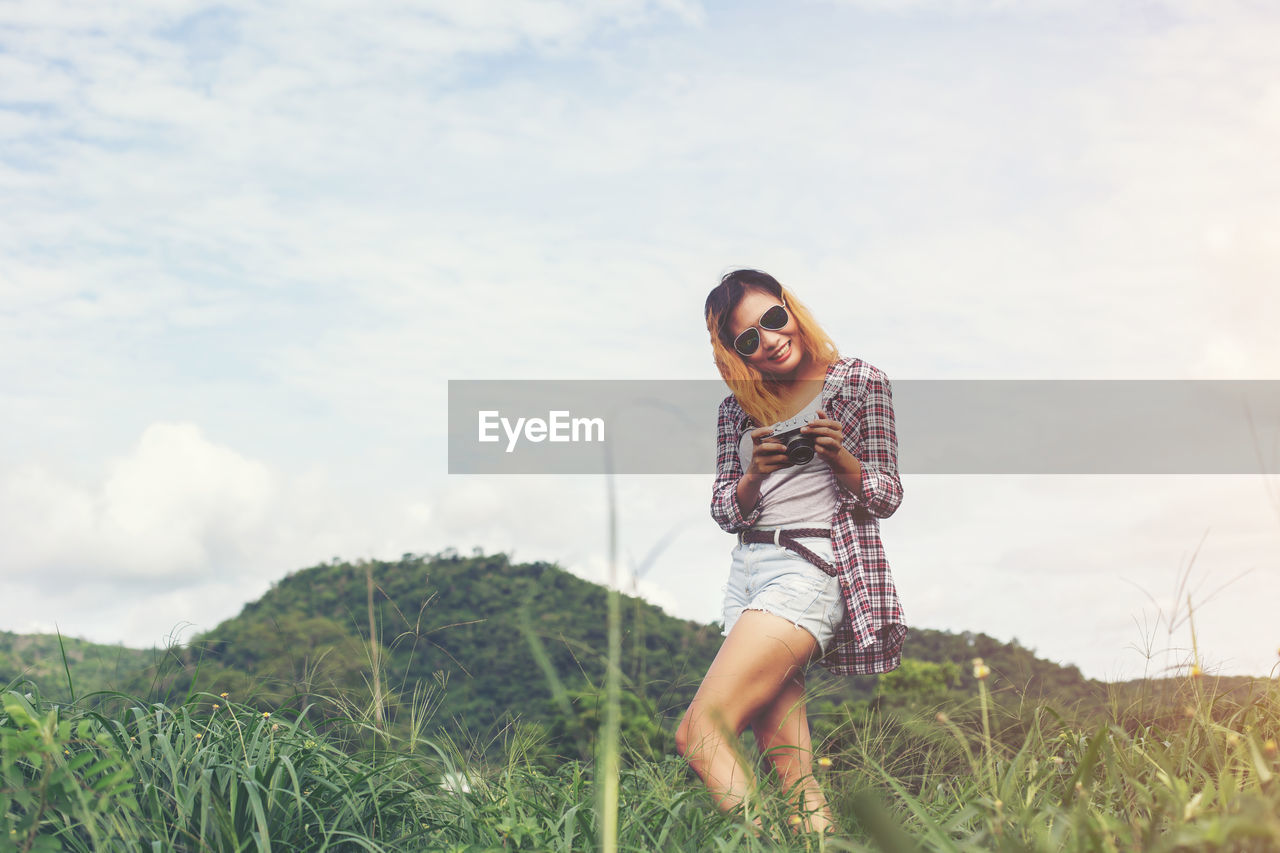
758, 659
782, 732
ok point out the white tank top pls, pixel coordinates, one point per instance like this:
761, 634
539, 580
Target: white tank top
798, 496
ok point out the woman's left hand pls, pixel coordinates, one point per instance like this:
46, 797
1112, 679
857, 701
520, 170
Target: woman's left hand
828, 443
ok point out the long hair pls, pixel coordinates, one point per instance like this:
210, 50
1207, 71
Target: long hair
758, 393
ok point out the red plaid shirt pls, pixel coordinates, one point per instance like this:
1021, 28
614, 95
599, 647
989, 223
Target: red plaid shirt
859, 396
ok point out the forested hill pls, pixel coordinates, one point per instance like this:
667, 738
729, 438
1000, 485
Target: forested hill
468, 625
467, 630
472, 625
49, 660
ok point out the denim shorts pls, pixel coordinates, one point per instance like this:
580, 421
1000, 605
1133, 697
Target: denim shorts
768, 577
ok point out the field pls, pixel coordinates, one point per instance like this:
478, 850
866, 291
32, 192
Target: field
1173, 765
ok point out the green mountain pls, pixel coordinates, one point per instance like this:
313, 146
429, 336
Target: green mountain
48, 660
464, 628
465, 636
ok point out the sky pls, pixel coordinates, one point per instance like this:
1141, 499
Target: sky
244, 246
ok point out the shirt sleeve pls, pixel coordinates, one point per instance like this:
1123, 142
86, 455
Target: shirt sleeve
872, 438
724, 494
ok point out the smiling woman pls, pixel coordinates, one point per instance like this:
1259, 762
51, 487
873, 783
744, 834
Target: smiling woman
809, 580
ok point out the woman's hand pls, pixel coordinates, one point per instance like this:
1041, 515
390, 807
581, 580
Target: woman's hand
767, 454
828, 444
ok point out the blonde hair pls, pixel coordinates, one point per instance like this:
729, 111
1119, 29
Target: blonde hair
759, 393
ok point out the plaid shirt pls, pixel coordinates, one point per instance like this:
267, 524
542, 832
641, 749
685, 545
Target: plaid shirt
859, 396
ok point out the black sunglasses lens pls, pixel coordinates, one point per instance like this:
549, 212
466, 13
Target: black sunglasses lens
747, 342
775, 318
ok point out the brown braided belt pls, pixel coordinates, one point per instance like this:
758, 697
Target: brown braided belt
787, 539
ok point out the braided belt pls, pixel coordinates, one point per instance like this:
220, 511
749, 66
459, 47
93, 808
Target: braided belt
787, 539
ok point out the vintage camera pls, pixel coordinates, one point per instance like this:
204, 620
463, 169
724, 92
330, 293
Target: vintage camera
799, 447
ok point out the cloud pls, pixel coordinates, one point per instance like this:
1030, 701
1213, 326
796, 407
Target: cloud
177, 506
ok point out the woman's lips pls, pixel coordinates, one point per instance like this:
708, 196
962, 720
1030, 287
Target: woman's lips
782, 353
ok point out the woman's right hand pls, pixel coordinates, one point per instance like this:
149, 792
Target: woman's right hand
767, 454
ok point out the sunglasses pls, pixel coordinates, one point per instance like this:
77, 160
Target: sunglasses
749, 341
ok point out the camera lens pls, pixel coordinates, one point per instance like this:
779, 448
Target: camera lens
800, 450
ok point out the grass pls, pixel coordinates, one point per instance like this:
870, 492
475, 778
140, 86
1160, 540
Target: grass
212, 773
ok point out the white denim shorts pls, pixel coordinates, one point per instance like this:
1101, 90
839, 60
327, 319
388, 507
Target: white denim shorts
768, 577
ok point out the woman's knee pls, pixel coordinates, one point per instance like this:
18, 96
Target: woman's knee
682, 736
690, 732
702, 723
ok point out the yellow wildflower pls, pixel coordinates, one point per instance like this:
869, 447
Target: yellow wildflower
223, 695
266, 714
199, 735
824, 762
795, 820
1196, 671
1269, 748
980, 669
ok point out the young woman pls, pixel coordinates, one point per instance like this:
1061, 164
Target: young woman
809, 580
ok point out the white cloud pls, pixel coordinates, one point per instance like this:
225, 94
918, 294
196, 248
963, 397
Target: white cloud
176, 506
192, 502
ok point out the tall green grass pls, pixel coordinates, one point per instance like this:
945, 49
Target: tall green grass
215, 773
